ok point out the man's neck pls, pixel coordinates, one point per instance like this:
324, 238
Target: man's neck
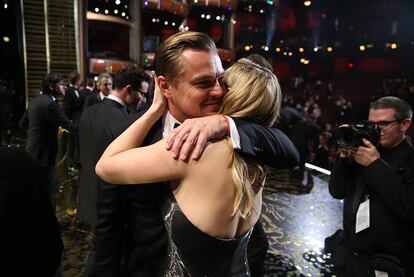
118, 97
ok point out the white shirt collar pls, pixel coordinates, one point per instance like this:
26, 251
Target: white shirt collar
102, 95
113, 97
168, 122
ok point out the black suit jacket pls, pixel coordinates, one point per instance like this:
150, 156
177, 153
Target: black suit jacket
93, 123
30, 243
146, 239
92, 99
42, 120
72, 104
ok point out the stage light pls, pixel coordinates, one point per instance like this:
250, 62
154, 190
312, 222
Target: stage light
96, 10
5, 6
350, 65
393, 45
186, 28
165, 23
118, 2
301, 49
329, 49
6, 39
115, 11
173, 24
261, 11
285, 53
306, 61
277, 49
362, 47
266, 48
106, 11
247, 48
123, 14
217, 17
208, 16
307, 3
315, 49
203, 15
290, 54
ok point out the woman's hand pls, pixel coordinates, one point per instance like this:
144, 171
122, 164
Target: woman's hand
159, 103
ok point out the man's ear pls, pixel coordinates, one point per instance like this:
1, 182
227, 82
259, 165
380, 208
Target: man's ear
128, 89
405, 124
164, 86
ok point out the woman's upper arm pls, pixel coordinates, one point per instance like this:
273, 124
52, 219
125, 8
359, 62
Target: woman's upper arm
148, 164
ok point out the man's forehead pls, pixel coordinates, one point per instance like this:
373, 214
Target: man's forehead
389, 112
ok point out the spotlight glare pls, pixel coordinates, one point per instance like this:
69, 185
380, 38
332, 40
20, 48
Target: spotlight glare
315, 49
394, 45
217, 17
96, 10
362, 47
118, 2
5, 6
307, 3
203, 15
247, 48
6, 39
266, 48
208, 16
301, 49
278, 49
123, 14
106, 11
329, 49
115, 11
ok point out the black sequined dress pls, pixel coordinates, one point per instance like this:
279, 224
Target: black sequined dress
194, 253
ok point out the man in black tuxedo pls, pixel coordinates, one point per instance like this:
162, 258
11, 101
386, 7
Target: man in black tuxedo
30, 243
42, 120
72, 104
104, 86
189, 94
127, 85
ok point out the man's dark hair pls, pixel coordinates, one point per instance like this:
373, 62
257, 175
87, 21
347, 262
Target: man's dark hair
168, 58
260, 60
132, 76
50, 80
89, 82
402, 109
73, 77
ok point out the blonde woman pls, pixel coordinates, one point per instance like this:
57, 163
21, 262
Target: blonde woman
214, 202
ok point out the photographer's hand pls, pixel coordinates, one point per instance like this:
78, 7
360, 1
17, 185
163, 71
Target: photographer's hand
365, 155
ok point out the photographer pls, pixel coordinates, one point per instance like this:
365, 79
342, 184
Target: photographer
378, 187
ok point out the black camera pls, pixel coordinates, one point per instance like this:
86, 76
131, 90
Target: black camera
352, 135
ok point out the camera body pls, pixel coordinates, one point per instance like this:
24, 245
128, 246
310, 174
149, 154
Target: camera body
352, 135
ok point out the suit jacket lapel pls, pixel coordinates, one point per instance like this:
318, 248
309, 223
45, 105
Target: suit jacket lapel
155, 134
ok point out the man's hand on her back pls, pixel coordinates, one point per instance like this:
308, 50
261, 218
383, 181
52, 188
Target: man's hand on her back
192, 136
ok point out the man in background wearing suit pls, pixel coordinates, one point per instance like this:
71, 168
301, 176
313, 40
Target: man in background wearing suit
104, 86
42, 120
72, 104
127, 86
192, 92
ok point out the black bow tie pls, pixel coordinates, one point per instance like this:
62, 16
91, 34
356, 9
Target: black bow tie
176, 125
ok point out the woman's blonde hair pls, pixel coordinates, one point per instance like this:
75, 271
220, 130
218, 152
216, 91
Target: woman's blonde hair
253, 93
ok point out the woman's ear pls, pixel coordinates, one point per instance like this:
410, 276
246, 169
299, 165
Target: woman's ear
164, 86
